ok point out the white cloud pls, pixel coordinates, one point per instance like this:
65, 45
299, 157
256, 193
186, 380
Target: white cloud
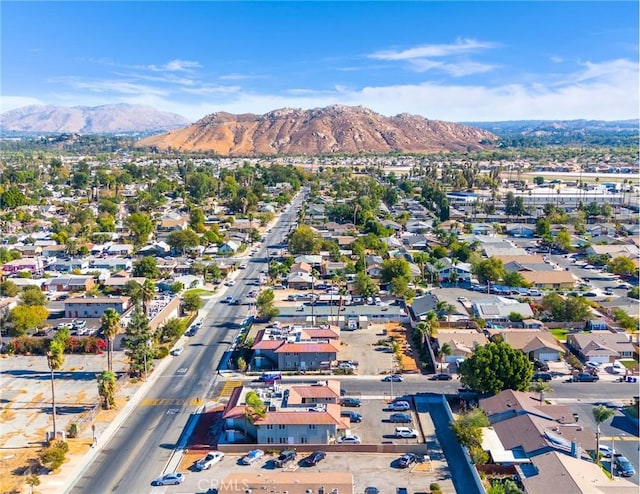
606, 91
454, 69
428, 51
12, 102
176, 66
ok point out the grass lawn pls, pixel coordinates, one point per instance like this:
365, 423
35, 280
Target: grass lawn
199, 291
560, 334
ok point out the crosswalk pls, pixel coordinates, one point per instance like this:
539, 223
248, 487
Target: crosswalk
228, 388
225, 392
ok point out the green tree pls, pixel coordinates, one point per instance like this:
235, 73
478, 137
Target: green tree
395, 268
196, 220
107, 389
543, 227
141, 226
147, 267
26, 317
33, 481
191, 301
32, 296
264, 305
55, 360
495, 367
489, 270
468, 428
13, 198
110, 325
303, 240
600, 414
445, 351
621, 265
147, 293
515, 279
137, 342
172, 329
183, 239
364, 285
541, 388
563, 240
8, 289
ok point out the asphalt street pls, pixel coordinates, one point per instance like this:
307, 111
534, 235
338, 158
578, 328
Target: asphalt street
141, 448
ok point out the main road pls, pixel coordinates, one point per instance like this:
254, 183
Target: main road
138, 452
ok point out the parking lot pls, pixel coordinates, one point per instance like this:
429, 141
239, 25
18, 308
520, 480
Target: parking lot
368, 469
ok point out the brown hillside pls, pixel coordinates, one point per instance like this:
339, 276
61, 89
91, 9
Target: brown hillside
334, 129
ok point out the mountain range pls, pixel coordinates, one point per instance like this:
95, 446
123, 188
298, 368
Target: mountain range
105, 119
334, 129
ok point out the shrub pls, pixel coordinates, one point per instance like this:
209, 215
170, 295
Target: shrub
72, 430
53, 456
434, 487
162, 352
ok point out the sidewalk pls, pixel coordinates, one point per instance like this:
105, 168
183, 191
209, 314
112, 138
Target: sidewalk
106, 423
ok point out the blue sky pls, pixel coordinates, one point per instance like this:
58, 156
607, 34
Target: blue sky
455, 61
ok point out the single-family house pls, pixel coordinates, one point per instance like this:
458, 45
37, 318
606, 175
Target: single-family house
601, 346
300, 281
69, 284
497, 309
448, 270
461, 341
536, 344
421, 306
521, 230
119, 249
373, 265
229, 247
562, 280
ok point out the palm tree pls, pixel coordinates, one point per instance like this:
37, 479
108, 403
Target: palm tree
55, 360
148, 291
600, 414
431, 320
541, 387
445, 351
110, 327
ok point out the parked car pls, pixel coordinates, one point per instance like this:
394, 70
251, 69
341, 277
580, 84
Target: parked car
252, 456
227, 300
623, 466
400, 418
371, 490
407, 460
540, 365
617, 367
541, 376
593, 365
169, 479
396, 378
284, 458
585, 377
399, 406
352, 416
270, 376
441, 377
209, 460
314, 458
606, 451
349, 439
177, 351
406, 432
350, 402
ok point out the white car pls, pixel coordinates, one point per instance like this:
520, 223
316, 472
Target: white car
177, 351
169, 479
406, 432
252, 456
399, 406
349, 439
212, 458
617, 367
594, 365
230, 282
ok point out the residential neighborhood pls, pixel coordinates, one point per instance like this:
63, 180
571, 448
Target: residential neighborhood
305, 282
